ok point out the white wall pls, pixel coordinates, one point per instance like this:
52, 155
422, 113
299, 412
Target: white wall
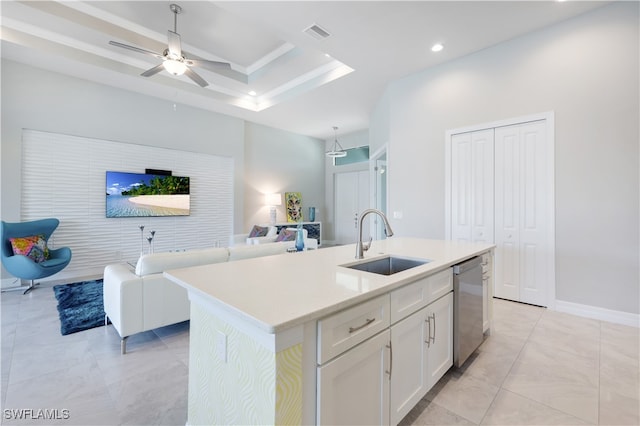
277, 162
41, 100
586, 70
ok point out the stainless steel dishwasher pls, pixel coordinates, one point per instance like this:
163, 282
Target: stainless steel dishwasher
467, 309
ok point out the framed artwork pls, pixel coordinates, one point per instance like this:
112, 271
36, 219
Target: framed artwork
293, 204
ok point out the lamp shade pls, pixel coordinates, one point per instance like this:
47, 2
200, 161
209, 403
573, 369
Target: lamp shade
273, 199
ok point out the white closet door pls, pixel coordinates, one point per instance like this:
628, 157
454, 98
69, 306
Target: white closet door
472, 186
352, 197
521, 213
461, 187
482, 220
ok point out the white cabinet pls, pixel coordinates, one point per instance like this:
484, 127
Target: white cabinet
376, 360
345, 329
353, 389
440, 348
422, 352
409, 339
418, 294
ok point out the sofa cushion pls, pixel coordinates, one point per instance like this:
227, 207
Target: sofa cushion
159, 262
273, 231
261, 240
34, 247
248, 252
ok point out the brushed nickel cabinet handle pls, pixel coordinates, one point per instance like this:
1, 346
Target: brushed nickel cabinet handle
390, 370
366, 323
428, 341
433, 338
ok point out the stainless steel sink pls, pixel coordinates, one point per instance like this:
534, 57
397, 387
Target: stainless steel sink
387, 265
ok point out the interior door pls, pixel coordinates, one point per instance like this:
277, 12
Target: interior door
381, 171
472, 186
352, 198
521, 179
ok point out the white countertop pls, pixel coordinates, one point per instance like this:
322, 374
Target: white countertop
275, 293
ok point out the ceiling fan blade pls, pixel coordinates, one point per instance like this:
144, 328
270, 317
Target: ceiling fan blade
210, 65
174, 44
136, 49
195, 77
153, 71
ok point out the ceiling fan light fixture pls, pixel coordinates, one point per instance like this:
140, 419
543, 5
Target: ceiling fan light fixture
174, 67
337, 150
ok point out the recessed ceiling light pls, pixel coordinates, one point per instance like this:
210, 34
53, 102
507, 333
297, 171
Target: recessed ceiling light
437, 47
252, 93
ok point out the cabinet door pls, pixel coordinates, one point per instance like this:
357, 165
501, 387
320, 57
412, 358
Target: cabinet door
408, 373
440, 336
353, 389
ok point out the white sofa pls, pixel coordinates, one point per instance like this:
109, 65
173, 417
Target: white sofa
142, 300
240, 239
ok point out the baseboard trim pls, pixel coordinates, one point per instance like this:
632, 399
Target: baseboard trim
9, 282
59, 278
602, 314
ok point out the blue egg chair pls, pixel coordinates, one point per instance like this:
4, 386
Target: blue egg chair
23, 267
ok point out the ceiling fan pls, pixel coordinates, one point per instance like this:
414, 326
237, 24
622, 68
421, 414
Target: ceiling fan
173, 59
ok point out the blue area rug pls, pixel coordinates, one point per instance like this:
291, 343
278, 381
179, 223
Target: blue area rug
80, 306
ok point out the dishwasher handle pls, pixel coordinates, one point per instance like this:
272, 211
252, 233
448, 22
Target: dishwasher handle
465, 266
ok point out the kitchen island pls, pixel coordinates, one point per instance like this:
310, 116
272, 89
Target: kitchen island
263, 329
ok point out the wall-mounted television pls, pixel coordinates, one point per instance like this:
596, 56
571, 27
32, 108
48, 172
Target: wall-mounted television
142, 194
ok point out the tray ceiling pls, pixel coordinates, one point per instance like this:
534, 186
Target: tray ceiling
302, 84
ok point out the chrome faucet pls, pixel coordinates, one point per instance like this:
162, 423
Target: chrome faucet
362, 247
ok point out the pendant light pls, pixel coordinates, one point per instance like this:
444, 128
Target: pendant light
337, 150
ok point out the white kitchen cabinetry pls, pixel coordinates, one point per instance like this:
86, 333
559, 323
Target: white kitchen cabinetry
422, 347
353, 389
376, 360
353, 357
440, 348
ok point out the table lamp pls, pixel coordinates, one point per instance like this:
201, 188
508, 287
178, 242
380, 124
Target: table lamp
273, 200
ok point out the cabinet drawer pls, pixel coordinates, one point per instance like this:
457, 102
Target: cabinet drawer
345, 329
408, 299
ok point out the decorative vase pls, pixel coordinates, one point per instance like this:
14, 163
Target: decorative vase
299, 239
141, 239
312, 214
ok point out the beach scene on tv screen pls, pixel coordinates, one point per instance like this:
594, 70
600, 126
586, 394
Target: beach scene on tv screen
136, 194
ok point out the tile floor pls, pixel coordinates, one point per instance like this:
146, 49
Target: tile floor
538, 367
